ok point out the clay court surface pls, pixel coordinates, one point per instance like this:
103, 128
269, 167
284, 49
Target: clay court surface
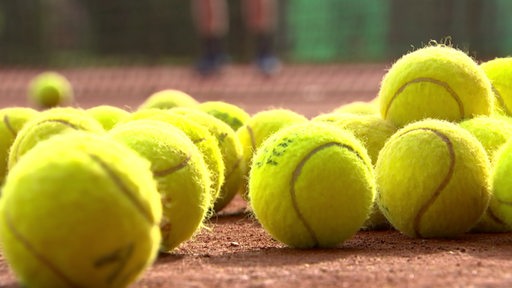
235, 251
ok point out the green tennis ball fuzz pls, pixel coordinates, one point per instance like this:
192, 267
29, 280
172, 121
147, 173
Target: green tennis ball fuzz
79, 210
108, 116
499, 71
500, 211
435, 82
230, 148
180, 172
12, 120
47, 124
358, 107
433, 179
311, 185
228, 113
373, 132
200, 136
50, 89
167, 99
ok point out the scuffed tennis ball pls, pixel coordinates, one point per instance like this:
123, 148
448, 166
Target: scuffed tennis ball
438, 82
47, 124
12, 120
108, 116
433, 178
228, 113
50, 89
311, 185
167, 99
183, 180
499, 71
79, 210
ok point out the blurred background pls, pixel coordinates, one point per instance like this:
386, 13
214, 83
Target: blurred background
339, 37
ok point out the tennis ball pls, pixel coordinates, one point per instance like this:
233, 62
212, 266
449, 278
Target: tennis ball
373, 132
183, 180
311, 185
499, 72
230, 114
433, 179
107, 115
358, 107
499, 210
47, 124
200, 136
167, 99
230, 148
435, 82
13, 119
259, 127
80, 210
50, 89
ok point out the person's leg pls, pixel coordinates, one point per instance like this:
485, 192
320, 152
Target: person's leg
211, 19
261, 18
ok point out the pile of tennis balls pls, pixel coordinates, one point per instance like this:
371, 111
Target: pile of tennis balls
91, 196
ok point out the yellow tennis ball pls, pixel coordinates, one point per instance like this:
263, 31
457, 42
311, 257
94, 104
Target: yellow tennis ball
358, 107
200, 136
229, 113
167, 99
499, 72
311, 185
433, 179
183, 180
262, 125
79, 210
435, 82
499, 210
50, 89
12, 120
230, 148
107, 115
47, 124
373, 132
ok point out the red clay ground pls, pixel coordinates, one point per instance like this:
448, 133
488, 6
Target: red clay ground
236, 251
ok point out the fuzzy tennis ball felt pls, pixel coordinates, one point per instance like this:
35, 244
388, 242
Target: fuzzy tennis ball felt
433, 179
499, 72
50, 89
107, 115
373, 132
358, 107
47, 124
167, 99
262, 125
80, 210
229, 113
183, 180
200, 136
438, 82
230, 148
499, 210
301, 178
13, 119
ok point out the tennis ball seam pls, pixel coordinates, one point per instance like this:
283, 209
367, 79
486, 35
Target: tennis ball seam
295, 175
126, 191
25, 243
251, 136
170, 170
494, 217
500, 100
120, 255
8, 125
423, 209
429, 80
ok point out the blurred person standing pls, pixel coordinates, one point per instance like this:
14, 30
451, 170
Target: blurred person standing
212, 23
